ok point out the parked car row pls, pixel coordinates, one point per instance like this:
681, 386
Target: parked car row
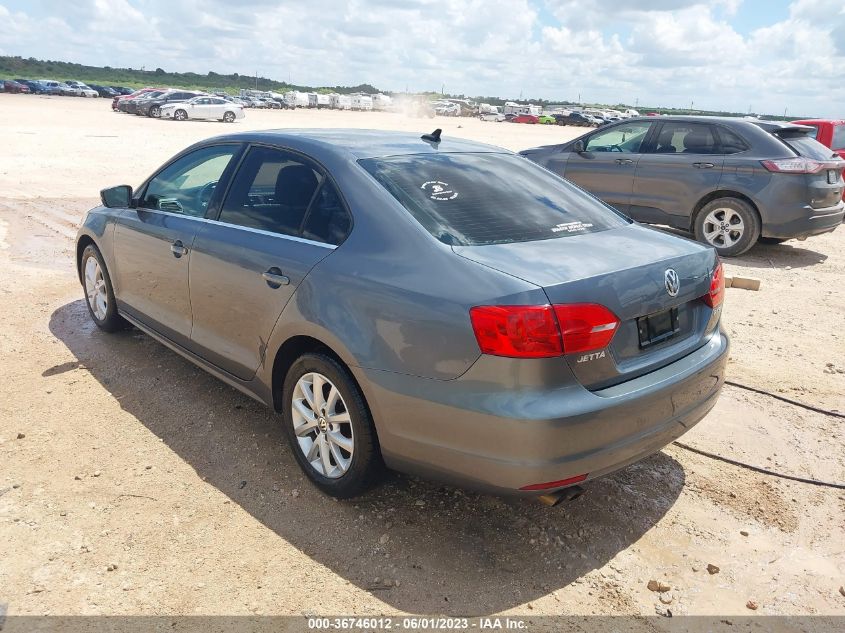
60, 88
731, 182
179, 105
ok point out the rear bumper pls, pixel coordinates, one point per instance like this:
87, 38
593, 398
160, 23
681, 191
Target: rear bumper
477, 433
803, 222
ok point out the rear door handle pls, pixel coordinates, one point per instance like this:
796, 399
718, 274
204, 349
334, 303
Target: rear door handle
624, 161
178, 249
704, 165
275, 278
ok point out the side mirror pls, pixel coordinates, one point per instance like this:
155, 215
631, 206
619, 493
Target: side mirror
116, 197
578, 147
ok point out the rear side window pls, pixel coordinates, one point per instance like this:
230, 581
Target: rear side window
680, 137
327, 219
271, 191
477, 199
730, 142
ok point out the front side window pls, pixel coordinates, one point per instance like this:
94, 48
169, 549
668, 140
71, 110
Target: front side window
487, 198
187, 184
680, 137
625, 138
271, 191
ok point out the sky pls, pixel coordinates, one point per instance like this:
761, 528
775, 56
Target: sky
763, 56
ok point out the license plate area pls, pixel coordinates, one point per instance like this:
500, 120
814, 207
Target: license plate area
658, 327
832, 176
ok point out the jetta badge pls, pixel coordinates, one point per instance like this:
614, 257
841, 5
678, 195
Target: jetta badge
672, 282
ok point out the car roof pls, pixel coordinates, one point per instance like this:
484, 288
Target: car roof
359, 143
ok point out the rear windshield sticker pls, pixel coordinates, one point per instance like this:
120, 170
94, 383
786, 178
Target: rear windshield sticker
571, 227
439, 190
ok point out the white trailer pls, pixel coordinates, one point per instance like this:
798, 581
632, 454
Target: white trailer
511, 107
323, 101
296, 99
362, 102
340, 102
382, 102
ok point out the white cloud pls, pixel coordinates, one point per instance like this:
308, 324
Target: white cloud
663, 52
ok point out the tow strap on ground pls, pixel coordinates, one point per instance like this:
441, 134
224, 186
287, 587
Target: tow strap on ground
758, 469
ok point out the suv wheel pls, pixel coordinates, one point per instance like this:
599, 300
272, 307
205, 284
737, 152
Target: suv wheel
329, 426
729, 225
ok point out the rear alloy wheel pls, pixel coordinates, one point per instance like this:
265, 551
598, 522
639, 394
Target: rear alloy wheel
99, 295
729, 225
228, 117
329, 426
180, 115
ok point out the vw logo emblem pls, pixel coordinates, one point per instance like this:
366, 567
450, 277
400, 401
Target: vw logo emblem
672, 282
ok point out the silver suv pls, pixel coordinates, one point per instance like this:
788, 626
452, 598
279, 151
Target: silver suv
731, 182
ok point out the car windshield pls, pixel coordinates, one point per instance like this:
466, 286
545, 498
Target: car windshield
479, 199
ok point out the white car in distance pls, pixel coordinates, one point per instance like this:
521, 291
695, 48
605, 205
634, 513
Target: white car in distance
203, 108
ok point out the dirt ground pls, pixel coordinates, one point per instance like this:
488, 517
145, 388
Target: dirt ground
132, 482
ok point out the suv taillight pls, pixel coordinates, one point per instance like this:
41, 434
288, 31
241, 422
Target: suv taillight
716, 294
797, 165
542, 331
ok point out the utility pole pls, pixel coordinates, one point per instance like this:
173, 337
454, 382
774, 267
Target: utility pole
442, 89
256, 80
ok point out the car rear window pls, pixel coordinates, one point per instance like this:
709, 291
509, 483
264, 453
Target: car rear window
478, 199
808, 147
838, 137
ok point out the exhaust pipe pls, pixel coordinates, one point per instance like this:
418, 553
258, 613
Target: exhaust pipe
566, 494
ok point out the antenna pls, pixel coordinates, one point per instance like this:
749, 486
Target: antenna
434, 137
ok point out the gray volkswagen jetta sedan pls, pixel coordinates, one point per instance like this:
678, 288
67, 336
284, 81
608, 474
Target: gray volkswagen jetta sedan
439, 306
729, 181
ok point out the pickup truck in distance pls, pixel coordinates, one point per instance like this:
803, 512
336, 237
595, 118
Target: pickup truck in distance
829, 132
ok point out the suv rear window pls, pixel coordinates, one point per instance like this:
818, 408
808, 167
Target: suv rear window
808, 147
478, 199
838, 137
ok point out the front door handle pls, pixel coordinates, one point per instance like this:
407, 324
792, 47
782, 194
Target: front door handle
178, 249
704, 165
624, 161
275, 278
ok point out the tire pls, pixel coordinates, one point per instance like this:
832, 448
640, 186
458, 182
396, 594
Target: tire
180, 115
229, 117
712, 226
342, 479
154, 112
772, 240
97, 285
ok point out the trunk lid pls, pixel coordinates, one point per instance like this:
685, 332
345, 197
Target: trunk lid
623, 269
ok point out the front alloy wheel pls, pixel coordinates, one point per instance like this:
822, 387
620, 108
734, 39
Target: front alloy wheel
180, 115
229, 117
95, 288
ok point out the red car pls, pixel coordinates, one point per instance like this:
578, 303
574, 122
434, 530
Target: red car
525, 118
137, 93
830, 133
14, 86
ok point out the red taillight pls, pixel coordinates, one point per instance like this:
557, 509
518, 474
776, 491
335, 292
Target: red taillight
716, 294
556, 484
585, 326
797, 165
542, 331
516, 331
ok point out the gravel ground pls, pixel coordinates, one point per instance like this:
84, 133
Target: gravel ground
132, 482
